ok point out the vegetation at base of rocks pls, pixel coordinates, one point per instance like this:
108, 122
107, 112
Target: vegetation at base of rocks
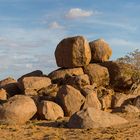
133, 58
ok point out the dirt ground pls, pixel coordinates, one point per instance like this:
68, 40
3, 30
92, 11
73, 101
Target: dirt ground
44, 130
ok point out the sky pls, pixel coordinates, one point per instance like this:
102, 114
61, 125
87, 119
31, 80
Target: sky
31, 29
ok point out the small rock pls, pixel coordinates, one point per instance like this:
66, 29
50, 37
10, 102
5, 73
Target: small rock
3, 95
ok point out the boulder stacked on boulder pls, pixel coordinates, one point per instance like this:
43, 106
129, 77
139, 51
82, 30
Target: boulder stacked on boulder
73, 52
86, 87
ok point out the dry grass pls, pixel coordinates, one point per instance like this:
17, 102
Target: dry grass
44, 130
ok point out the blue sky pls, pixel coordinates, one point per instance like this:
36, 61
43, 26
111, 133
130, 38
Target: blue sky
31, 29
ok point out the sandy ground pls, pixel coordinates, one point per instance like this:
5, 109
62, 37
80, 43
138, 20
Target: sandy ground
44, 130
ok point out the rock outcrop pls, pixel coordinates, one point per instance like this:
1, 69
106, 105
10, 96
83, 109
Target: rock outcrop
86, 87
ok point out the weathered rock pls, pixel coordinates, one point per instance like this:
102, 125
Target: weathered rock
137, 102
18, 110
105, 97
50, 111
33, 83
94, 118
73, 52
100, 51
3, 95
10, 85
49, 92
78, 81
130, 109
88, 89
70, 99
58, 75
121, 99
92, 100
36, 73
121, 74
97, 74
136, 90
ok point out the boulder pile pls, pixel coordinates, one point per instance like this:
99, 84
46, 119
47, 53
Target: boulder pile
87, 88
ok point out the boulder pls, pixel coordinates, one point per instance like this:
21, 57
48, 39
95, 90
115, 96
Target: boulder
100, 51
58, 75
121, 99
97, 74
36, 73
50, 111
137, 102
92, 100
105, 96
94, 118
78, 81
3, 95
18, 110
28, 84
70, 99
88, 89
121, 74
130, 109
10, 85
50, 92
73, 52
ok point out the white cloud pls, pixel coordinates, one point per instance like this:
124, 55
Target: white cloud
55, 25
78, 13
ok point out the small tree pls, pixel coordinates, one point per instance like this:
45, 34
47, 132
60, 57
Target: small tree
133, 58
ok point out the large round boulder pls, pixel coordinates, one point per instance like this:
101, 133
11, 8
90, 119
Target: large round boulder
100, 51
18, 110
73, 52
